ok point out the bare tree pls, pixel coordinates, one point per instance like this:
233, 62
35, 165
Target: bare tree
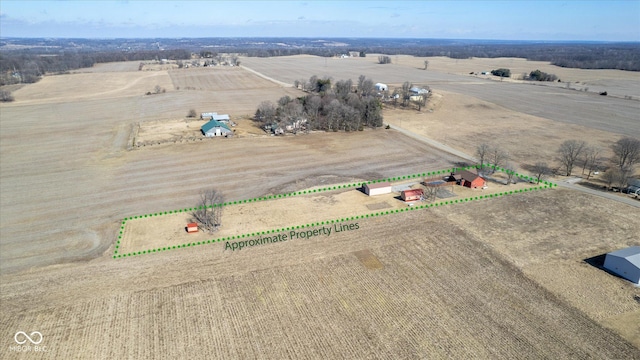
510, 171
617, 177
569, 152
591, 160
497, 157
482, 151
540, 171
406, 87
430, 193
395, 96
5, 96
208, 213
365, 86
342, 88
426, 64
192, 113
626, 152
384, 59
266, 113
312, 106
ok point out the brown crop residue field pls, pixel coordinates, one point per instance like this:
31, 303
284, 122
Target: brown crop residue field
502, 278
438, 290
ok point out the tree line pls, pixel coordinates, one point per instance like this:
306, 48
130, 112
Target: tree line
626, 155
573, 154
28, 67
582, 56
342, 106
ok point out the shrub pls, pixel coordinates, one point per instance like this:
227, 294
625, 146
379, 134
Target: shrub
538, 75
5, 96
502, 72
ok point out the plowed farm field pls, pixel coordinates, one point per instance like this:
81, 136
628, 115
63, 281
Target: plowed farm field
436, 291
218, 78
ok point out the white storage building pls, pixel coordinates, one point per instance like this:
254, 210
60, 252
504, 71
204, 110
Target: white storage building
381, 87
377, 188
625, 263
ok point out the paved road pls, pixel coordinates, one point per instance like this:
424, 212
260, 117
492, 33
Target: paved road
604, 194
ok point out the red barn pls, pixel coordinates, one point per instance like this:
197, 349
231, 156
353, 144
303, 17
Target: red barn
411, 195
468, 179
192, 227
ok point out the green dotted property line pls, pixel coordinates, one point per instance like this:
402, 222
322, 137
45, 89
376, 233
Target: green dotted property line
546, 185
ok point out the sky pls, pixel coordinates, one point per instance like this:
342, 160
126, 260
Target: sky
496, 20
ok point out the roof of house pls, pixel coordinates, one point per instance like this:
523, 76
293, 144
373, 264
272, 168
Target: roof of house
220, 117
631, 254
192, 225
466, 175
378, 185
213, 124
412, 192
418, 90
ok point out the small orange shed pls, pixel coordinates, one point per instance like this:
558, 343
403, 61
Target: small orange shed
411, 195
192, 227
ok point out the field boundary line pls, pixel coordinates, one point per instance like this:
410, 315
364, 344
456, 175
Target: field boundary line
545, 185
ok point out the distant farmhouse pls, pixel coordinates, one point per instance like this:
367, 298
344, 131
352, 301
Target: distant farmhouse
381, 87
634, 188
215, 128
416, 93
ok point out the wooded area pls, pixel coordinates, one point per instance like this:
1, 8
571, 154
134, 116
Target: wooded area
341, 107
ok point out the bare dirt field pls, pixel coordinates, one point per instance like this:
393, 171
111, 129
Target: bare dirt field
615, 82
504, 278
464, 122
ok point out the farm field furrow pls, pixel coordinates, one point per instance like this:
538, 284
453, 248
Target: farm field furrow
439, 292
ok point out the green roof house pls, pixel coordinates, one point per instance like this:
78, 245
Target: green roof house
215, 128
